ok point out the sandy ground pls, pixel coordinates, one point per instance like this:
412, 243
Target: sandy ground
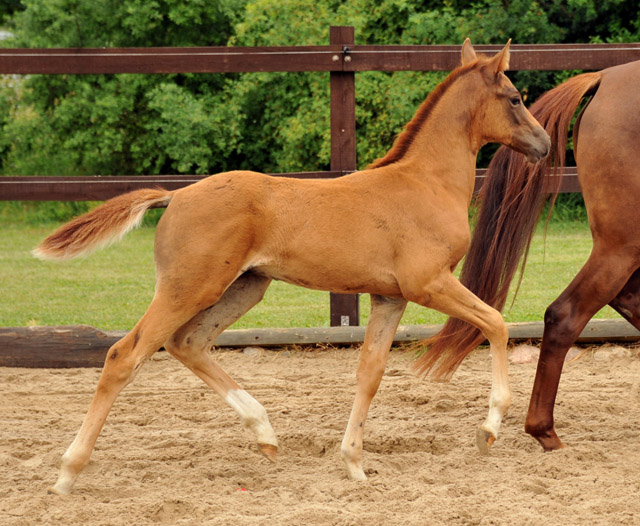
173, 453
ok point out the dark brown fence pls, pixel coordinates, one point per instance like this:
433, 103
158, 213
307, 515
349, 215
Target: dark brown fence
342, 58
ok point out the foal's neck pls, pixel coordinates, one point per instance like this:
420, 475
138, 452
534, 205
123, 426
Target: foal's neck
441, 142
446, 143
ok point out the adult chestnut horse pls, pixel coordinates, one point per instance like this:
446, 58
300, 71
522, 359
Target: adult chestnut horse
395, 230
605, 138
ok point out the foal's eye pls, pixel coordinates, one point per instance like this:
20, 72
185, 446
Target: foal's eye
515, 101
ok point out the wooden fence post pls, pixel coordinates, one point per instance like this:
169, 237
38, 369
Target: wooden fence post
344, 307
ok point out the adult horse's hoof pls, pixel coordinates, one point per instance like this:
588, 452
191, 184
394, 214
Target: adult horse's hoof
550, 443
484, 440
269, 451
544, 433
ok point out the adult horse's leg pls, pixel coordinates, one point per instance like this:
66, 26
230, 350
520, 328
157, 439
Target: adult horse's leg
598, 282
192, 342
448, 295
383, 323
627, 302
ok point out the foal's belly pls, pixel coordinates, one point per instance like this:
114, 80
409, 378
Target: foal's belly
339, 280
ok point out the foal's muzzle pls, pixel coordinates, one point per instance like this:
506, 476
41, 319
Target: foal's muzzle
538, 145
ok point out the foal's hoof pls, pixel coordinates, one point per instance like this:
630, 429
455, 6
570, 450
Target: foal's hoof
484, 440
356, 473
269, 451
59, 490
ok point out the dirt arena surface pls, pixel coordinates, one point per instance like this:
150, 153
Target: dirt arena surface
173, 453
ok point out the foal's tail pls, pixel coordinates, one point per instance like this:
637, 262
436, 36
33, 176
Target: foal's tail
105, 224
512, 199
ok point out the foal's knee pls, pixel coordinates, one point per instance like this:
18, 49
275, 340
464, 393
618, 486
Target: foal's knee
496, 331
369, 374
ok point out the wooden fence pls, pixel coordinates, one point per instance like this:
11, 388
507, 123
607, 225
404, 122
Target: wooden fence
342, 58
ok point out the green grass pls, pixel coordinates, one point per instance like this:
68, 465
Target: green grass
112, 288
552, 265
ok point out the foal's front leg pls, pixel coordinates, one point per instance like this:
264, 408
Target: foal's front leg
383, 323
448, 295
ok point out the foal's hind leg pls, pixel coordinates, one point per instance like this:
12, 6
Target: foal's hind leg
449, 296
193, 341
123, 361
182, 291
383, 323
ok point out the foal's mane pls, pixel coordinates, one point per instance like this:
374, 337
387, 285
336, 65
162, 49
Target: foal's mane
407, 136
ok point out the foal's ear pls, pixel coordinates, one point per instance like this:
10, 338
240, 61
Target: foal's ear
468, 53
500, 62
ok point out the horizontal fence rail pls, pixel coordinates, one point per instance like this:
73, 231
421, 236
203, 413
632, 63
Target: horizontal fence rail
170, 60
102, 187
522, 56
25, 61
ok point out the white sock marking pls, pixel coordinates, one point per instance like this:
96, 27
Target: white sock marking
253, 415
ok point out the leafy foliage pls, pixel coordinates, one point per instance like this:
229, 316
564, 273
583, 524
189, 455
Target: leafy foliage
116, 124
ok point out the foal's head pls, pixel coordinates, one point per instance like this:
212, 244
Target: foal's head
505, 119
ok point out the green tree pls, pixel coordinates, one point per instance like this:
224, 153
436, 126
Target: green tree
110, 124
8, 8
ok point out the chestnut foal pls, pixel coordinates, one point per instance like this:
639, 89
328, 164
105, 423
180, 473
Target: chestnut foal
395, 230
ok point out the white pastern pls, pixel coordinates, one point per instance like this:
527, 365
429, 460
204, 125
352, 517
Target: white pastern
352, 458
499, 403
253, 415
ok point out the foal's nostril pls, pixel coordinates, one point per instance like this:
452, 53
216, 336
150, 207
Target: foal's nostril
545, 140
544, 151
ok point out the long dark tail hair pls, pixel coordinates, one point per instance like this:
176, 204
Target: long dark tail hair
512, 200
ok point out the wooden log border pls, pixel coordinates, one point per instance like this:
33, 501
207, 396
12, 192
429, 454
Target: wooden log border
84, 346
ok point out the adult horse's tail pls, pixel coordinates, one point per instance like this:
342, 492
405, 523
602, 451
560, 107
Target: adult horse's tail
512, 199
103, 225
